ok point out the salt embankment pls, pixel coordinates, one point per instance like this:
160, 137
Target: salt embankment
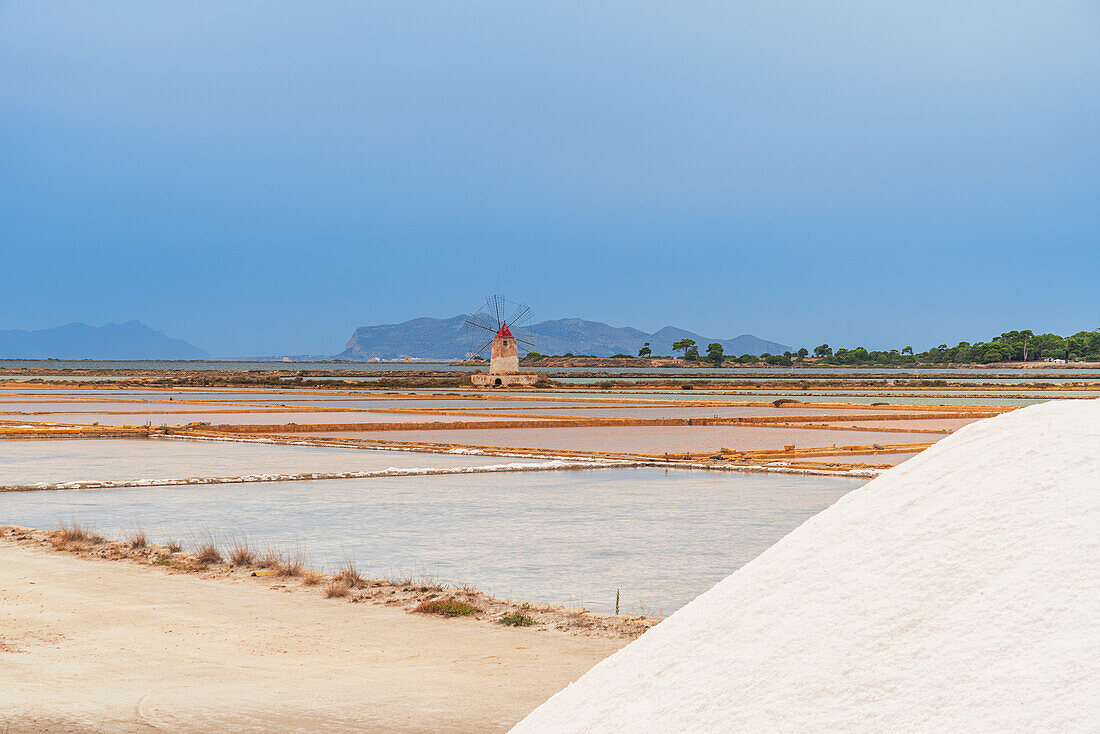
959, 591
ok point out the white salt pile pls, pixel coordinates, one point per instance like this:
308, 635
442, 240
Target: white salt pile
959, 591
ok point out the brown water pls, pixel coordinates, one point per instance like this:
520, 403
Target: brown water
649, 439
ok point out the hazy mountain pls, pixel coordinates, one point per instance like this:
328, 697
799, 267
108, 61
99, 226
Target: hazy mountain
132, 340
446, 338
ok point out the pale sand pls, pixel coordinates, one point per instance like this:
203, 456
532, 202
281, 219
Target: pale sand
93, 645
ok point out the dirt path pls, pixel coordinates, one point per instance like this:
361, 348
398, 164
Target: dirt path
90, 645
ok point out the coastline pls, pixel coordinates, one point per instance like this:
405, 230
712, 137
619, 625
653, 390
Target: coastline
89, 645
405, 594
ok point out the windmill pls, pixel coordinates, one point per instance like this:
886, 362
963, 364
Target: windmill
494, 326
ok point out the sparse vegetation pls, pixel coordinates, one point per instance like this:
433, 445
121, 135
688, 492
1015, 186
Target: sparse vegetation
447, 608
350, 576
311, 577
241, 554
418, 594
269, 558
73, 533
290, 565
207, 553
137, 539
336, 590
516, 619
174, 546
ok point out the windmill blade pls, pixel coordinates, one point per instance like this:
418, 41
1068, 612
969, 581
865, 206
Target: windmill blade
521, 316
496, 309
474, 325
482, 348
491, 311
530, 344
515, 313
479, 321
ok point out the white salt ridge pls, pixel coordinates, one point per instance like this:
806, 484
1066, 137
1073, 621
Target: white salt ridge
552, 465
403, 449
959, 591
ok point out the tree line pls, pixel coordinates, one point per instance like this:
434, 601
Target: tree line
1011, 346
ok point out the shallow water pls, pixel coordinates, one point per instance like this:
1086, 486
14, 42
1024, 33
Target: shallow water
24, 462
253, 418
647, 439
562, 537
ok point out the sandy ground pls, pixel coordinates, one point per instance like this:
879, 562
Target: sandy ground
89, 645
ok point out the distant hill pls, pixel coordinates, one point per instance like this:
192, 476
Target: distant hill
131, 340
446, 338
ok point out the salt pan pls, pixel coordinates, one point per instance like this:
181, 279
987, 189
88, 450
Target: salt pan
959, 591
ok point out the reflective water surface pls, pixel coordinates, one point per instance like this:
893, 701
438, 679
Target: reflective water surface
563, 537
29, 461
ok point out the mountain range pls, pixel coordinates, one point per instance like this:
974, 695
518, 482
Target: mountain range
447, 338
131, 340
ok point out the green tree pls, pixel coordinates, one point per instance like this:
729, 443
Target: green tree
823, 350
685, 345
803, 353
645, 351
715, 352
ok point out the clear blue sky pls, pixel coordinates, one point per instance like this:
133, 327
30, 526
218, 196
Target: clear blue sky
260, 178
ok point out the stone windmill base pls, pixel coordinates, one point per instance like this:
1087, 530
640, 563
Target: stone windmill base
520, 379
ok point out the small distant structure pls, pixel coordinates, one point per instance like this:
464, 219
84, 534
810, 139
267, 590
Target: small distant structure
505, 346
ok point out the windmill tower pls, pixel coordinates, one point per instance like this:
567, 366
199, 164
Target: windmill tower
491, 327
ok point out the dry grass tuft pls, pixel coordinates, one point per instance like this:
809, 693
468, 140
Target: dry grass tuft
74, 534
174, 546
208, 553
70, 533
290, 565
270, 558
350, 576
240, 554
337, 589
447, 608
311, 577
137, 539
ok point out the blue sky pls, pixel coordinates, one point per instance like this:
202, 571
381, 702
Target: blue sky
261, 178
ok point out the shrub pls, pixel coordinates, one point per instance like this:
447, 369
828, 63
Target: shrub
447, 608
137, 539
516, 619
208, 553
